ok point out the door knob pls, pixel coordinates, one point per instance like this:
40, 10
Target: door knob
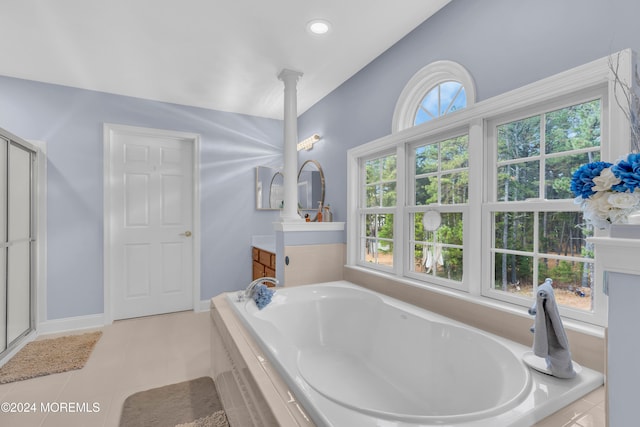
186, 233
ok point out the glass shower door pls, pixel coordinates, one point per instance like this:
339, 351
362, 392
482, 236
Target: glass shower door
4, 145
16, 241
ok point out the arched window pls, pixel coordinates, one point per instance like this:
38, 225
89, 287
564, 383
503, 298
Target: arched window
444, 98
439, 88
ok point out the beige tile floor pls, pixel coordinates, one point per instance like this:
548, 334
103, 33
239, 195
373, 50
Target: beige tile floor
139, 354
131, 356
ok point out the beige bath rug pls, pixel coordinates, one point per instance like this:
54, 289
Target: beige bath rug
49, 356
217, 419
194, 402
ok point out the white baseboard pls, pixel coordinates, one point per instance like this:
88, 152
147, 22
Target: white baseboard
71, 324
205, 305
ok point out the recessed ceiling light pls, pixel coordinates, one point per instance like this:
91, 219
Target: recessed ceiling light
319, 26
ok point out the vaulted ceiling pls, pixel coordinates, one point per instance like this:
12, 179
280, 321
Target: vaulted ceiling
218, 54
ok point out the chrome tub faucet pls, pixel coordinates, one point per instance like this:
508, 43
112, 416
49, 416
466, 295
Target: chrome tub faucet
251, 288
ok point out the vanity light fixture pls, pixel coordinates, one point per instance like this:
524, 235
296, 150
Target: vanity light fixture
319, 26
307, 144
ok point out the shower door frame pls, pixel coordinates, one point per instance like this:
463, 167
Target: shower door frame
8, 348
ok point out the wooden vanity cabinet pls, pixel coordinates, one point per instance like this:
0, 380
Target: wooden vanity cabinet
264, 264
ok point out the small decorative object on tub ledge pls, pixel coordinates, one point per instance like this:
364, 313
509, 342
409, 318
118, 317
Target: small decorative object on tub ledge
262, 295
551, 353
608, 193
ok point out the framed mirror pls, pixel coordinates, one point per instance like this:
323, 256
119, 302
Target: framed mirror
269, 188
310, 187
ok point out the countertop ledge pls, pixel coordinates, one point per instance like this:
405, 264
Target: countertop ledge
308, 226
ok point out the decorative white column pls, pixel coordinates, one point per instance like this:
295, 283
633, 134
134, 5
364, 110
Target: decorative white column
290, 211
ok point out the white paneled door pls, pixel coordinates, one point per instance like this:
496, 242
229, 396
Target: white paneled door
151, 253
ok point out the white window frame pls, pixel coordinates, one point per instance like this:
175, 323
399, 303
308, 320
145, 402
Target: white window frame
599, 312
364, 210
576, 82
422, 82
412, 208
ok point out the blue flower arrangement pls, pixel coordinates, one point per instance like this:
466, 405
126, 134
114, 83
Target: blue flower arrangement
608, 192
262, 295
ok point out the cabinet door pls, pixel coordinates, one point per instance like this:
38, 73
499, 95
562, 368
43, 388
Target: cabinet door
269, 272
265, 258
258, 270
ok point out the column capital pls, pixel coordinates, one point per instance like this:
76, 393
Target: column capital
287, 75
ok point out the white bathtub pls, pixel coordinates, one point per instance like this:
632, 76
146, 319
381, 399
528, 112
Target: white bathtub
353, 357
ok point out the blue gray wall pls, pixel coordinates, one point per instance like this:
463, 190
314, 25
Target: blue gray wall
70, 122
504, 44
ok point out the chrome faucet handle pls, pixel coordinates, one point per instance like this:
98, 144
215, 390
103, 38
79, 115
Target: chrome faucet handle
248, 293
270, 280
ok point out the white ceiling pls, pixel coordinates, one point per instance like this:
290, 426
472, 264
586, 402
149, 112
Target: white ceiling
218, 54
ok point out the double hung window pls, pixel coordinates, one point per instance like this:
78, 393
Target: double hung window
378, 204
537, 231
439, 171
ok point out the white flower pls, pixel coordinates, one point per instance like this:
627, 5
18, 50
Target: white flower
596, 220
605, 180
624, 200
618, 216
599, 204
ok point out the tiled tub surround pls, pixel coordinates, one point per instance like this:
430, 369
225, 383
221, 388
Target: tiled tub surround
314, 263
283, 347
252, 392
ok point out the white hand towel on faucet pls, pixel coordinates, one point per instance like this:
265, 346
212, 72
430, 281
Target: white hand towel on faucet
549, 337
